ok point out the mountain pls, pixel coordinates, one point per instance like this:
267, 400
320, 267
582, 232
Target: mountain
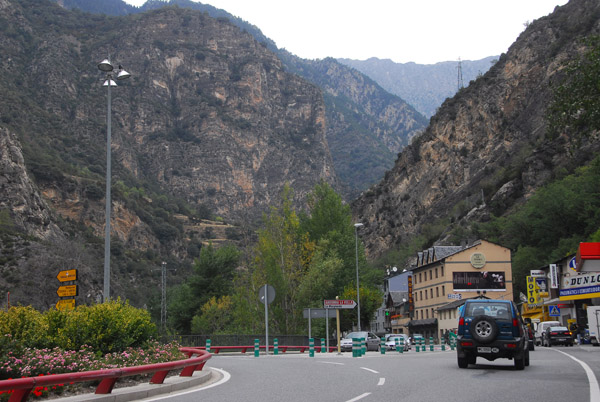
487, 149
209, 124
366, 125
424, 86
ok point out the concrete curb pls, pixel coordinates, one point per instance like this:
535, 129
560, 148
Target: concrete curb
146, 390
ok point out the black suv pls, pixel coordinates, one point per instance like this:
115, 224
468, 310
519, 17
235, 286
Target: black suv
491, 329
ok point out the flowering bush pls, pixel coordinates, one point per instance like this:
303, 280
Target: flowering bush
36, 362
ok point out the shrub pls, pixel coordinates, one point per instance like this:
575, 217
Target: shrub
107, 327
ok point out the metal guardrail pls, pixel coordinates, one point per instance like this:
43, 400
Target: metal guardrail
22, 387
237, 340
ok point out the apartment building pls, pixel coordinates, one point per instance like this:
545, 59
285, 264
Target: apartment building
446, 274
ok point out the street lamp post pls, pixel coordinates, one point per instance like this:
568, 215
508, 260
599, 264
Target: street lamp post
356, 226
106, 67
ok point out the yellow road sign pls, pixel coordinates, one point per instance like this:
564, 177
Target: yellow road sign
533, 291
67, 275
67, 291
65, 304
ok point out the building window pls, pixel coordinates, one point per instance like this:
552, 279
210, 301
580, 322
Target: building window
432, 313
443, 290
425, 294
431, 292
421, 295
430, 274
436, 273
426, 313
437, 292
442, 268
419, 277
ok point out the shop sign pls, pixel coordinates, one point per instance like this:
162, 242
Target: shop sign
580, 286
553, 276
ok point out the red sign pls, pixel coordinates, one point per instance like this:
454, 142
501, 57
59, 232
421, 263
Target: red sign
339, 303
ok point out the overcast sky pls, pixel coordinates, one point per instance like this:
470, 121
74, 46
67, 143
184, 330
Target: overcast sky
422, 31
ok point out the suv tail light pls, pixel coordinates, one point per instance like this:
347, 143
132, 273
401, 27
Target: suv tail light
517, 329
461, 321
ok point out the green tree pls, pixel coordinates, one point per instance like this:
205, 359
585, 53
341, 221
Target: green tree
279, 261
370, 300
328, 218
213, 276
214, 317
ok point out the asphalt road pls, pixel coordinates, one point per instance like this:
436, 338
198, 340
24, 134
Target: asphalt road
555, 374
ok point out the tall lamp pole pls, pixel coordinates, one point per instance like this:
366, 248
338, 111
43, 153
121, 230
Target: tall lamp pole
106, 67
356, 226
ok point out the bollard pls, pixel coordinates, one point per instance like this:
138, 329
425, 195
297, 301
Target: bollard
423, 346
323, 346
382, 347
398, 345
354, 347
452, 343
443, 345
256, 348
417, 345
431, 344
208, 345
275, 346
363, 348
311, 347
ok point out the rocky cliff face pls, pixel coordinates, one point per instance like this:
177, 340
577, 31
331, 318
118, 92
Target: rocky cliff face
486, 149
209, 117
209, 113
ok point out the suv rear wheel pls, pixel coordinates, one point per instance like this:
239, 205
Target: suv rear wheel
463, 362
483, 329
520, 363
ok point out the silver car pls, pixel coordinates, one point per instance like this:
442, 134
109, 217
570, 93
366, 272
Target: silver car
372, 341
390, 342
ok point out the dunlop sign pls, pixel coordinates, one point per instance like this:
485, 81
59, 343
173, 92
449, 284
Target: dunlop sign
533, 291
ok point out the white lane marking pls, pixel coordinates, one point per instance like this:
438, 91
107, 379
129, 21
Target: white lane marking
381, 381
372, 371
594, 389
359, 397
226, 377
339, 364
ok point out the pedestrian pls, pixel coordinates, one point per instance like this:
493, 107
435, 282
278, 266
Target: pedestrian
574, 328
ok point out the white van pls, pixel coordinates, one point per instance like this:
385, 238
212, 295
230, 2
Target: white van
541, 327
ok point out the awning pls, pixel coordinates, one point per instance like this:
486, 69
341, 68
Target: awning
422, 323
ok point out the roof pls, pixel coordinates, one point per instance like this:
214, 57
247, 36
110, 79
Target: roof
398, 296
421, 323
452, 305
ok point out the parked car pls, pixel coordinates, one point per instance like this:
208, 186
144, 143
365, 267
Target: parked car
530, 335
557, 336
417, 338
491, 329
390, 342
372, 341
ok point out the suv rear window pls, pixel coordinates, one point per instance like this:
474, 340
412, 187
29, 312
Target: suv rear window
490, 309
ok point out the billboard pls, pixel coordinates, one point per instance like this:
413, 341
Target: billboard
491, 281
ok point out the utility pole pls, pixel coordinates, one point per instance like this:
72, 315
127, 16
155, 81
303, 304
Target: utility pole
163, 298
460, 84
